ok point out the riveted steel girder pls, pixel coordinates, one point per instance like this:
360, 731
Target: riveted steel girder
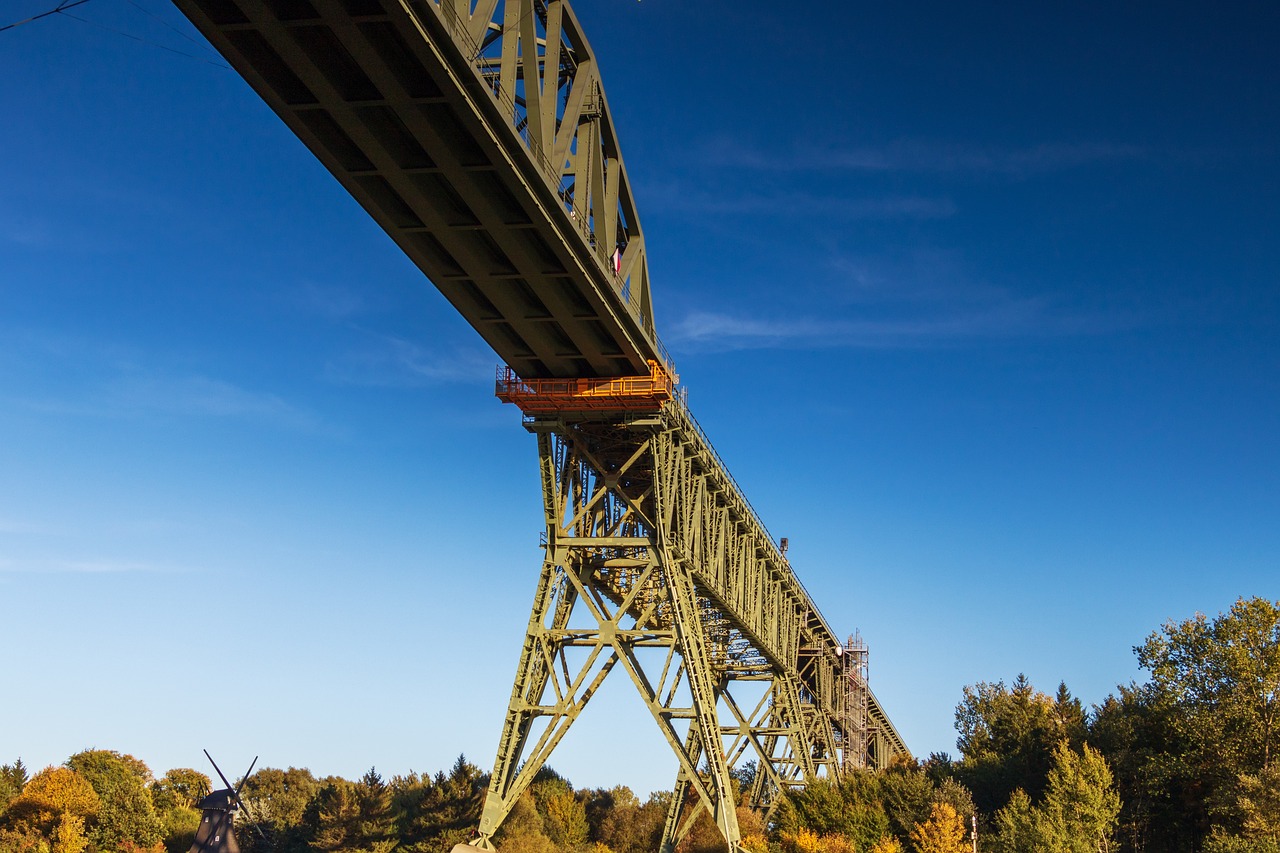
478, 136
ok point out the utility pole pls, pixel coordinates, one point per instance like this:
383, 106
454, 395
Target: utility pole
973, 833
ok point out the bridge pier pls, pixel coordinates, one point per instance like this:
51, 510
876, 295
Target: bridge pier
651, 568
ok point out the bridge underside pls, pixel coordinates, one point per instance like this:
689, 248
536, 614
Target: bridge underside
428, 142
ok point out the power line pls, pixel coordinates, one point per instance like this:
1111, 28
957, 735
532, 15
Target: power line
162, 22
59, 8
144, 41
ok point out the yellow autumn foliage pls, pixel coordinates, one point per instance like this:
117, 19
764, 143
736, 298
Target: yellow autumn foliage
808, 841
942, 832
888, 844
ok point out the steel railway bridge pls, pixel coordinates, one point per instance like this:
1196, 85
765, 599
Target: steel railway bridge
478, 135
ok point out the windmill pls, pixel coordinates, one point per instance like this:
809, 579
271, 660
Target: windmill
217, 829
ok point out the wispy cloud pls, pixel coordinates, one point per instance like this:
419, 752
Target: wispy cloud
25, 231
46, 566
393, 362
16, 526
920, 156
709, 330
201, 396
330, 301
678, 197
103, 379
923, 300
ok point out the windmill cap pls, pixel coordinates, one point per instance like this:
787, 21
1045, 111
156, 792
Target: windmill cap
222, 801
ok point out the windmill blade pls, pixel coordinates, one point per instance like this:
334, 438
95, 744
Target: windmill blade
245, 778
245, 806
235, 792
230, 787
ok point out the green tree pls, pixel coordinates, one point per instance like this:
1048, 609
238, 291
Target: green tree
852, 809
1081, 803
375, 829
175, 797
126, 819
1222, 842
68, 835
332, 816
1160, 774
1259, 811
957, 796
622, 823
181, 787
1078, 814
1225, 675
1020, 827
908, 796
565, 819
13, 777
1259, 804
432, 815
523, 831
1006, 738
277, 800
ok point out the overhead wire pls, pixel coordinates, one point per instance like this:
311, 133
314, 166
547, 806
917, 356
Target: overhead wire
146, 41
65, 4
61, 9
162, 22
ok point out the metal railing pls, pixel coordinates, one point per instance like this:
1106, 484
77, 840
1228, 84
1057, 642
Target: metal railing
621, 393
473, 53
682, 401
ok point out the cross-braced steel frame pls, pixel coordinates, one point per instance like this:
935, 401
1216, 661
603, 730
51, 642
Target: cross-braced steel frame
478, 135
656, 565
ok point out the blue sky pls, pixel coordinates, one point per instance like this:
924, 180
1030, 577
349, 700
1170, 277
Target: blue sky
981, 306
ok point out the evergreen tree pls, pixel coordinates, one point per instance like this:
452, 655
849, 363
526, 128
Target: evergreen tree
852, 809
1081, 803
13, 777
375, 825
1007, 736
1078, 814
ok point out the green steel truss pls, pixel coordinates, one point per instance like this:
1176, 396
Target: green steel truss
477, 134
656, 565
546, 78
543, 76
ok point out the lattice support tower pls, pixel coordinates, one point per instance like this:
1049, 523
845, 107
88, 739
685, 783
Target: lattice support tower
656, 566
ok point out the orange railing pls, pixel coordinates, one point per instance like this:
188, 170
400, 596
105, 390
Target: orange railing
615, 394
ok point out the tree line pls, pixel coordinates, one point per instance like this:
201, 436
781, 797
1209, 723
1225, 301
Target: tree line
1186, 762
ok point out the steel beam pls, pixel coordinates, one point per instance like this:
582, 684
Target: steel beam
479, 137
655, 566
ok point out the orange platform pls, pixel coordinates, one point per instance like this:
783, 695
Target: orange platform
615, 394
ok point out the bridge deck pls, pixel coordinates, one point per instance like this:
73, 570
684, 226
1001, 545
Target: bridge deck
381, 95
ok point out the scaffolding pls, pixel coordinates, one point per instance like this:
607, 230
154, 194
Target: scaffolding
857, 700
